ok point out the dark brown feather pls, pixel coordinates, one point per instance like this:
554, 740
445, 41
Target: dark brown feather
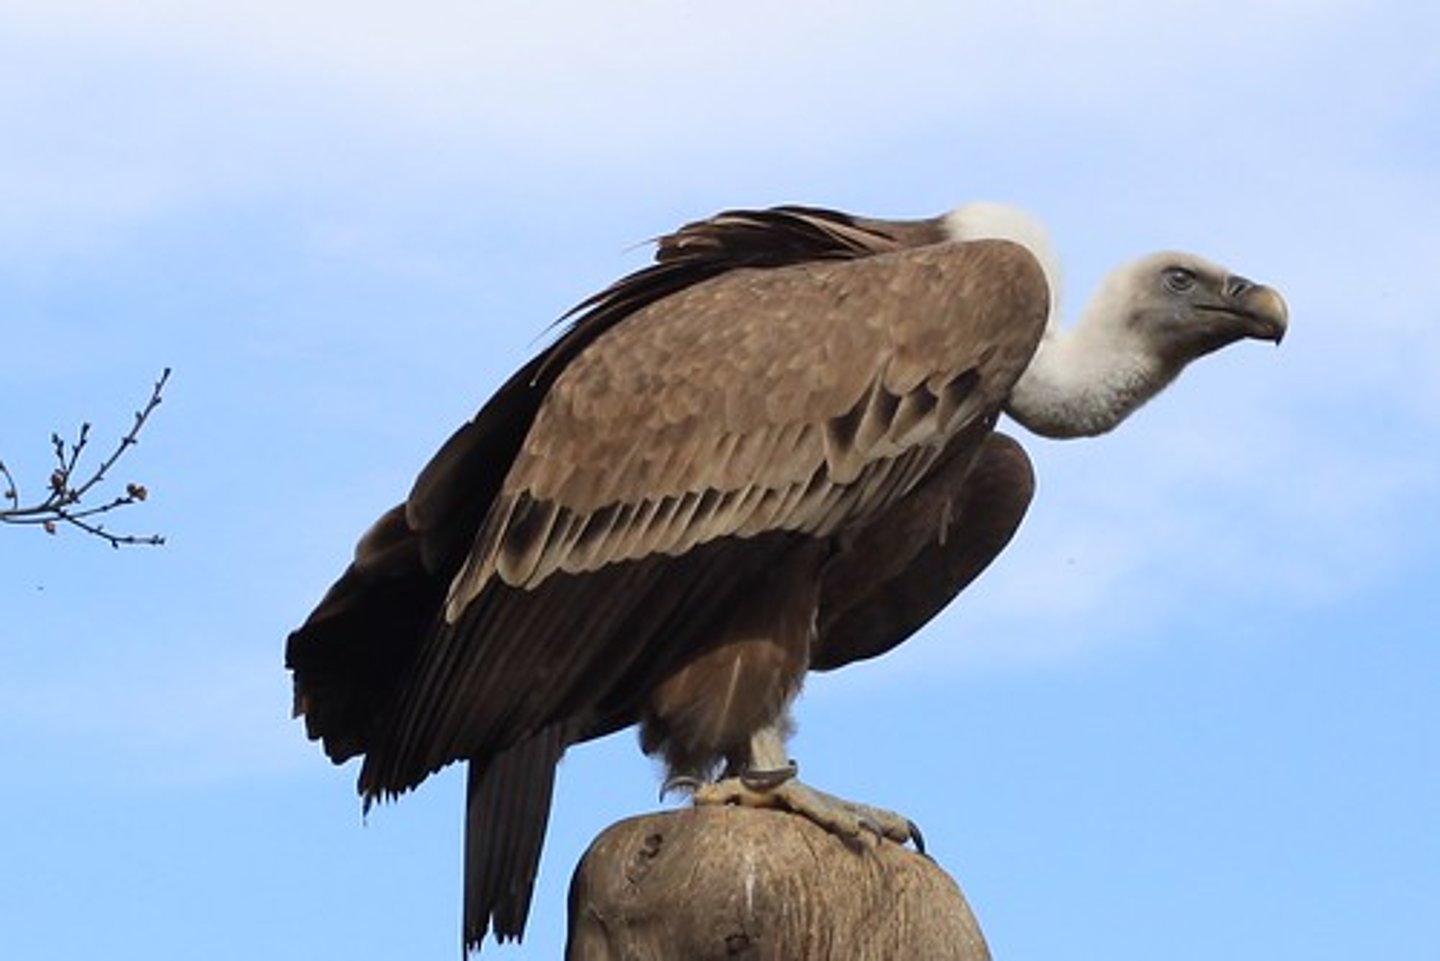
507, 804
899, 571
361, 637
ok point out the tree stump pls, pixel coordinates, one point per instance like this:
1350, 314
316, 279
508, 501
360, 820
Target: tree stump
760, 885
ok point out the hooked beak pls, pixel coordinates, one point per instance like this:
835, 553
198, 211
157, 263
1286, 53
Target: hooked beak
1260, 309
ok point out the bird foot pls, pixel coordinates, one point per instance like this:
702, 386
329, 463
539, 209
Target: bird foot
853, 822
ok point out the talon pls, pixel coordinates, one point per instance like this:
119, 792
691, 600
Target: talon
916, 838
769, 780
680, 782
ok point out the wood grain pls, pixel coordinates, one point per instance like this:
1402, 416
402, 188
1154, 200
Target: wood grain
738, 883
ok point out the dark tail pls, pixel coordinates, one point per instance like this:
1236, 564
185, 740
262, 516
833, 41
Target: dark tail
507, 806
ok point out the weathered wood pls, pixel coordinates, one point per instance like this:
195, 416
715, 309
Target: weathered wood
759, 885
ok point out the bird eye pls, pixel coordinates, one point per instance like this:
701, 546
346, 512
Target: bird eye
1179, 279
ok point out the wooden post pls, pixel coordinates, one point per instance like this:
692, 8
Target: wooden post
759, 885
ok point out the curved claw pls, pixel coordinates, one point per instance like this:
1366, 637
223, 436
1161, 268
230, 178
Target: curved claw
916, 838
771, 779
680, 782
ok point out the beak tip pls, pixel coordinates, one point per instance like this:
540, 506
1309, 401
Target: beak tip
1272, 312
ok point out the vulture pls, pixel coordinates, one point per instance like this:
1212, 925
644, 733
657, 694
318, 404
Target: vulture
772, 450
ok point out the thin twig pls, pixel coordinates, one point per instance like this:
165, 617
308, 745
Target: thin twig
12, 492
62, 495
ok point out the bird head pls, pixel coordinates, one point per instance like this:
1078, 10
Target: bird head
1185, 307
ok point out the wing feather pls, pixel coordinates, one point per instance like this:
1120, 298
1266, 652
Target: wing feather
787, 399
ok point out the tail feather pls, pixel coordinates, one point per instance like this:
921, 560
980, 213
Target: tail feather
506, 810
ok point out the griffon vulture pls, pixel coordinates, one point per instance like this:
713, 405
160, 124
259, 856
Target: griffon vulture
771, 451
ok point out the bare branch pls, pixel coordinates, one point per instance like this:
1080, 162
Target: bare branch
61, 504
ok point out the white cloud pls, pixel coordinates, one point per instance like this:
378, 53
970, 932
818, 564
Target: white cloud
491, 53
605, 79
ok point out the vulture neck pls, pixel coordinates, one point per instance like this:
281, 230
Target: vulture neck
1085, 380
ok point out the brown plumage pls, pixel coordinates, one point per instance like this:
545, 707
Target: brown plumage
770, 451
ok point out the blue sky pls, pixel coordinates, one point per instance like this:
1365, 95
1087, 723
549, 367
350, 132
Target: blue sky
1192, 712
